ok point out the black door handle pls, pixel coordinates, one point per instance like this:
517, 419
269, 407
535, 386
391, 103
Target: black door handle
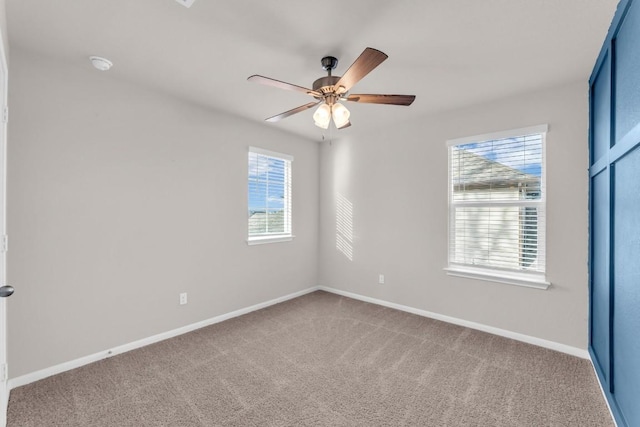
6, 291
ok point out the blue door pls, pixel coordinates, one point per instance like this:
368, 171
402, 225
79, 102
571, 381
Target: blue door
615, 214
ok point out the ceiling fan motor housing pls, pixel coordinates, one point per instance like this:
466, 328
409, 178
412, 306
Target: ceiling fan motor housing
325, 84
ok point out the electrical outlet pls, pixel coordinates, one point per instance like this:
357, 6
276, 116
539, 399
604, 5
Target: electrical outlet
381, 279
183, 298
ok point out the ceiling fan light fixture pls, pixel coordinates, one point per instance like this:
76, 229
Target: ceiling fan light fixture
322, 116
340, 115
346, 125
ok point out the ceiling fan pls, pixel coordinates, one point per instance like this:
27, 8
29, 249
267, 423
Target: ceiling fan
330, 89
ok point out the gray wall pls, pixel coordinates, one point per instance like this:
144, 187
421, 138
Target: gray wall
391, 187
120, 198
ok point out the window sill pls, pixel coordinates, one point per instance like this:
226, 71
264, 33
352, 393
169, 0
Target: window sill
526, 280
269, 239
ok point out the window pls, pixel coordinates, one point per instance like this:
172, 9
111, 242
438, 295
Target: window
269, 196
497, 207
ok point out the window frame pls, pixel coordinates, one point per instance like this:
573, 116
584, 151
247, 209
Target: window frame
531, 279
287, 235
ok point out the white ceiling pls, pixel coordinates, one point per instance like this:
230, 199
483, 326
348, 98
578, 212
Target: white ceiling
449, 53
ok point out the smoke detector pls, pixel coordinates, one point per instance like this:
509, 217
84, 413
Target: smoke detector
100, 63
186, 3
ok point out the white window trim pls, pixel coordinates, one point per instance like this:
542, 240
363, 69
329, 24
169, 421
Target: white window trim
535, 280
499, 135
276, 237
261, 240
532, 280
269, 153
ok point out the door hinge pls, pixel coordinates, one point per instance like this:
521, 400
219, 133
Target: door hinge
5, 114
4, 245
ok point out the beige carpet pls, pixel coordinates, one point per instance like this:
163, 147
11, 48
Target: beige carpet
322, 360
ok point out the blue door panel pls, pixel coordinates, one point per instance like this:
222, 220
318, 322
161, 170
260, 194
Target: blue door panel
601, 110
627, 65
626, 316
600, 271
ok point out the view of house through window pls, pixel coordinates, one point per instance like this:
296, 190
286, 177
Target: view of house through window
269, 186
496, 196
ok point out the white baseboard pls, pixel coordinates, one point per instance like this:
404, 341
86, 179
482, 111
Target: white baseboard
67, 366
4, 405
604, 394
574, 351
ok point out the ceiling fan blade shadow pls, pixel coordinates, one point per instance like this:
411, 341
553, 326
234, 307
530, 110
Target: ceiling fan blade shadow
296, 110
282, 85
368, 60
382, 99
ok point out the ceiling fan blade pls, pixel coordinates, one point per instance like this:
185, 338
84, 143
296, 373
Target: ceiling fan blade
367, 61
282, 85
296, 110
382, 99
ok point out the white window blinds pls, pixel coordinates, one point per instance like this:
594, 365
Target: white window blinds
497, 202
269, 190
